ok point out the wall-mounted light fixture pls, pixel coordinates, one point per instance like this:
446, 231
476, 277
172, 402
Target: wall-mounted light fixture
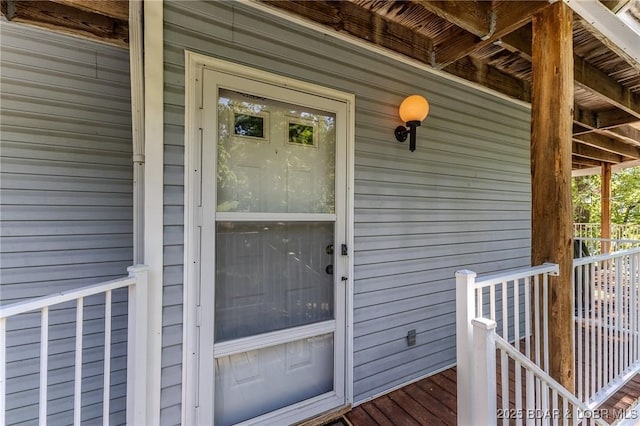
413, 110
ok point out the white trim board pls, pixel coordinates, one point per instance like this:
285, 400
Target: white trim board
153, 199
194, 64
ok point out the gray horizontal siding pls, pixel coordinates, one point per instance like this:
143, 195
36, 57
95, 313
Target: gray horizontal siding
461, 200
66, 213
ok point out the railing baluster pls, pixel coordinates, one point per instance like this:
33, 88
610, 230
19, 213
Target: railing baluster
530, 397
554, 407
600, 317
527, 317
594, 321
617, 318
545, 318
77, 382
504, 382
106, 387
577, 285
536, 319
3, 368
505, 311
634, 284
492, 302
610, 324
44, 365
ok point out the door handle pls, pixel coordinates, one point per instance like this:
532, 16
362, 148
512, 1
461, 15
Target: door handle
329, 269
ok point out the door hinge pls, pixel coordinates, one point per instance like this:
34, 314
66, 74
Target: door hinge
198, 316
199, 117
198, 216
345, 250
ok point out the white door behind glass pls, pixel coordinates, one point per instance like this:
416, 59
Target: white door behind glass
279, 317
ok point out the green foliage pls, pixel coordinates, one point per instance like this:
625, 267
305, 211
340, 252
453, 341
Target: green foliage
625, 197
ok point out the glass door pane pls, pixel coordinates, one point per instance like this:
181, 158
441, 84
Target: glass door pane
271, 276
274, 156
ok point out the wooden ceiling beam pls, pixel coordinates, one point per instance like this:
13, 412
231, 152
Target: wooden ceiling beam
614, 118
581, 161
628, 133
594, 80
608, 144
508, 17
602, 120
472, 16
117, 9
518, 41
346, 17
608, 119
585, 74
587, 151
69, 20
479, 72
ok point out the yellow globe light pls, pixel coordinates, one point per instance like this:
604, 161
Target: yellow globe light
414, 108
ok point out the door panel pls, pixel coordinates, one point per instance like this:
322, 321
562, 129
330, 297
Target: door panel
272, 213
264, 380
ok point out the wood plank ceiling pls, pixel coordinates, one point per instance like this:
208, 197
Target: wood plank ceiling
485, 42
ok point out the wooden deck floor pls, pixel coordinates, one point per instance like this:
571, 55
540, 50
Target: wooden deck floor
432, 401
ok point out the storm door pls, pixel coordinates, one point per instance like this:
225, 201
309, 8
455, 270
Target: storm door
273, 198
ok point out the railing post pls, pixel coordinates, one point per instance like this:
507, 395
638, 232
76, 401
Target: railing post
465, 312
137, 347
484, 383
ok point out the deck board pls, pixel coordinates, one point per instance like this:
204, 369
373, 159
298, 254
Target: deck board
432, 401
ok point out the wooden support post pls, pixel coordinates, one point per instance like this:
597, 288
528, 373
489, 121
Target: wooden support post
551, 127
605, 205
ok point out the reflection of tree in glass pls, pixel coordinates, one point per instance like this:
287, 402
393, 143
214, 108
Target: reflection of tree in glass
248, 125
226, 176
300, 133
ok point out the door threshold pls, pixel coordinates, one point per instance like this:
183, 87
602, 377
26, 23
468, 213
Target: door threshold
327, 417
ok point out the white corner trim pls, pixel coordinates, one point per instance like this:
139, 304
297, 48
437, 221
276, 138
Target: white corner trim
353, 40
136, 69
153, 200
609, 25
190, 298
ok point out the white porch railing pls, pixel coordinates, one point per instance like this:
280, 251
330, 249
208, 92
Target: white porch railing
607, 306
585, 247
515, 301
136, 345
618, 231
540, 401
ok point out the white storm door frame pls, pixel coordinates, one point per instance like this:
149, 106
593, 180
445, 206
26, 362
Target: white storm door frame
198, 318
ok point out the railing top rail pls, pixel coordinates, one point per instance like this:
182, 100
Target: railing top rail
64, 296
546, 268
611, 240
531, 366
607, 256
